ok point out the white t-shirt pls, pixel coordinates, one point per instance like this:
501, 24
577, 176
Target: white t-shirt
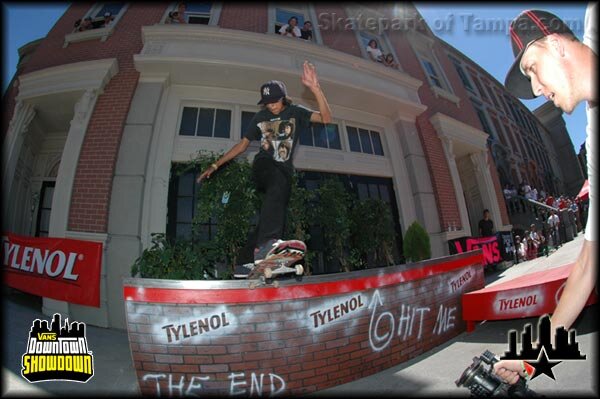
296, 31
376, 53
553, 220
590, 39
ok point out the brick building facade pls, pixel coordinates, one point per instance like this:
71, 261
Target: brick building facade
96, 120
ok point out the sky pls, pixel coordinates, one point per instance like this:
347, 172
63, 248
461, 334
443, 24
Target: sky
479, 32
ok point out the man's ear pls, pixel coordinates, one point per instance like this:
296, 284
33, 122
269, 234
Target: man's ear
556, 43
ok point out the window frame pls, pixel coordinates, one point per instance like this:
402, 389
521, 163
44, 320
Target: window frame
306, 9
215, 14
213, 106
99, 33
464, 76
370, 129
382, 40
313, 146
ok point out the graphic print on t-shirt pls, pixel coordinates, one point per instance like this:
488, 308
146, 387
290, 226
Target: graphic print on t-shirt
278, 138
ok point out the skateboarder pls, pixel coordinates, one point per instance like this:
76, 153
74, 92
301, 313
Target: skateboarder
272, 167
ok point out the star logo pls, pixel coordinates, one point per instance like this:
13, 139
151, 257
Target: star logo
543, 366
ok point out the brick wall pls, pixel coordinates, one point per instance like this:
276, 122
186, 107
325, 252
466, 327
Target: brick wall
251, 17
333, 34
293, 345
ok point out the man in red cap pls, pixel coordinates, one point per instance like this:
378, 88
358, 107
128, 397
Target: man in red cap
278, 126
551, 61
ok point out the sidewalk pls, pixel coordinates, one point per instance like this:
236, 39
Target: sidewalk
430, 374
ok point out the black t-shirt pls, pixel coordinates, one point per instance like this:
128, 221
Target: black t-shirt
306, 34
278, 134
486, 227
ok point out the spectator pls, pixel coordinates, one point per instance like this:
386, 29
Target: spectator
86, 24
553, 223
388, 61
534, 194
374, 51
291, 28
542, 193
533, 242
306, 31
108, 18
521, 247
177, 17
486, 225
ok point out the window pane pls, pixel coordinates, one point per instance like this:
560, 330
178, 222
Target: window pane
45, 220
48, 194
184, 231
320, 134
333, 135
112, 8
365, 141
283, 16
200, 20
203, 232
198, 7
377, 147
188, 121
246, 119
184, 209
385, 193
205, 122
306, 136
223, 123
373, 191
363, 191
353, 139
436, 81
186, 185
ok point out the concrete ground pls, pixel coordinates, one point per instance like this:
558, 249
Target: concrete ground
431, 374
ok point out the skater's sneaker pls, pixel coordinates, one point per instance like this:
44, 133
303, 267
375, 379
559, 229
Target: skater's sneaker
242, 271
277, 249
264, 250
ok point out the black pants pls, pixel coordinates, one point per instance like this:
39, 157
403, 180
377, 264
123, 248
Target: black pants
277, 186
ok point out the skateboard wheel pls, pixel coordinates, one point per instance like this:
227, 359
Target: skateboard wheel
299, 269
268, 272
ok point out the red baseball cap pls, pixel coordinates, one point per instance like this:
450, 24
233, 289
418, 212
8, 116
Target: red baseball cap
526, 28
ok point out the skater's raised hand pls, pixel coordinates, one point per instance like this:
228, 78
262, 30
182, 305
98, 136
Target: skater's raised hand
309, 76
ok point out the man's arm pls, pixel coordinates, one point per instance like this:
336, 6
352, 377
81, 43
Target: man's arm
228, 156
579, 286
310, 80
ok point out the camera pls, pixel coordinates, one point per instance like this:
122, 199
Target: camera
481, 380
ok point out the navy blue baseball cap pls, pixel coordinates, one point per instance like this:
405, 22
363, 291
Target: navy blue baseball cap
272, 91
526, 28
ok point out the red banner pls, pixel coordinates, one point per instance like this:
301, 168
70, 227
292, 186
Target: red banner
58, 268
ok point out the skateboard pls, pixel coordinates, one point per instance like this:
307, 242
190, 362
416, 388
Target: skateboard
284, 259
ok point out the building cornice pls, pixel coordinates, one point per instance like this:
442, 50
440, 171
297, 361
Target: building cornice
178, 33
69, 77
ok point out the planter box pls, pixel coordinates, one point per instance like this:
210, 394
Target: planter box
223, 338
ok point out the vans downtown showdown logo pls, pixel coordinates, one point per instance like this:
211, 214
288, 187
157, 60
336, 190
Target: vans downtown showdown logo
57, 353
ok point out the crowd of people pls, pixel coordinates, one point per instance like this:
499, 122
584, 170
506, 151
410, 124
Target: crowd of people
377, 55
89, 23
559, 212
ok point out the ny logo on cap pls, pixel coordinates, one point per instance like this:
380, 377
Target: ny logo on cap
266, 91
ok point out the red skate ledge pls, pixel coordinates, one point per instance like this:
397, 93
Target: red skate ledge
533, 294
237, 291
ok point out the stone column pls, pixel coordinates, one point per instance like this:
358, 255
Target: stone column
64, 181
458, 189
23, 114
486, 186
